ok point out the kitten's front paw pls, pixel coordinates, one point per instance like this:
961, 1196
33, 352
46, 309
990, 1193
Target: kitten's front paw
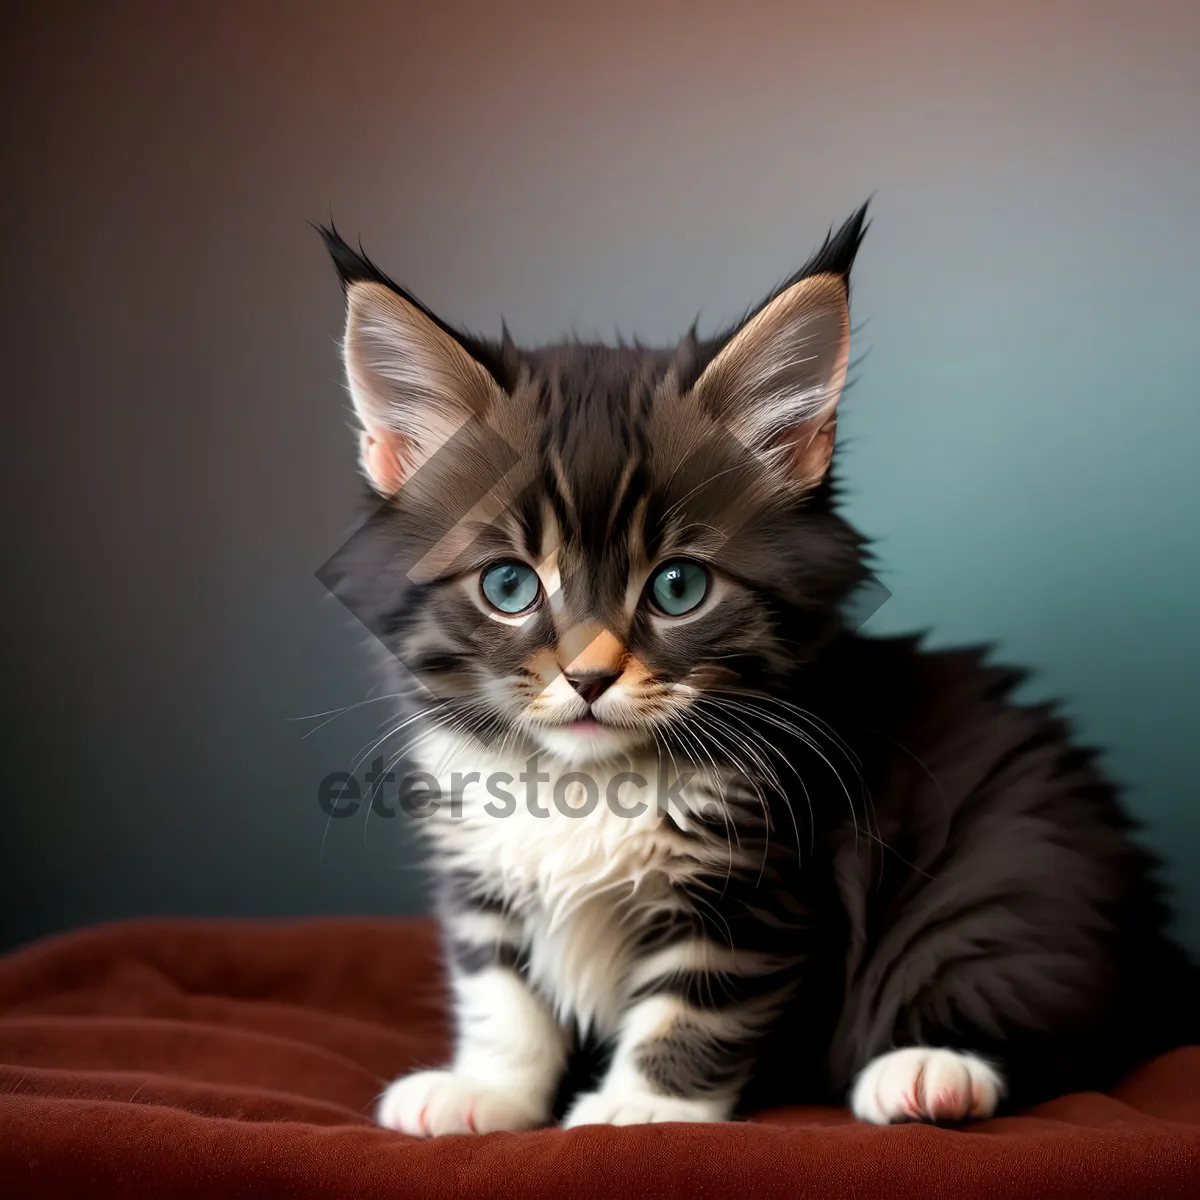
924, 1084
640, 1108
431, 1103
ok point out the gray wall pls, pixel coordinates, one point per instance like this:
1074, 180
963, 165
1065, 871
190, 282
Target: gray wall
1021, 440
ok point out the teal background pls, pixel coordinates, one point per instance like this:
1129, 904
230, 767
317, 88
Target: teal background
1028, 475
1021, 440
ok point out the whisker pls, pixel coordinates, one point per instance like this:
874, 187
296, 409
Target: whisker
773, 779
334, 713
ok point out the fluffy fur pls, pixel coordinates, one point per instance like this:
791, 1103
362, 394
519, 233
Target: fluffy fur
874, 876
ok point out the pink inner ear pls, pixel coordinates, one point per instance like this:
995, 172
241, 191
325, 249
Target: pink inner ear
809, 447
384, 457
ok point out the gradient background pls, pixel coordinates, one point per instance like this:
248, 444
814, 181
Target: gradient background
1022, 440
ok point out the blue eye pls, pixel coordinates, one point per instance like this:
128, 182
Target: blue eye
510, 587
678, 587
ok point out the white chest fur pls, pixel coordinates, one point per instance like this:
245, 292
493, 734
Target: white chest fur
580, 856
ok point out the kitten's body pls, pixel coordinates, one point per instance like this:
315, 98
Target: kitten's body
850, 849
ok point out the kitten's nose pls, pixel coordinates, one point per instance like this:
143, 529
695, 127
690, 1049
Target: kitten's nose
591, 685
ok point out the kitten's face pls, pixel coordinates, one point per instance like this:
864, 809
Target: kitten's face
587, 550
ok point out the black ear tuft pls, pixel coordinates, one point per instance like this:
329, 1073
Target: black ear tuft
837, 253
353, 266
834, 257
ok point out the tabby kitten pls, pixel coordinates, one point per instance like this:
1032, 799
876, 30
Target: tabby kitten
692, 825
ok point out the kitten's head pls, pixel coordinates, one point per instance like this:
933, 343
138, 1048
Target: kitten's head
577, 545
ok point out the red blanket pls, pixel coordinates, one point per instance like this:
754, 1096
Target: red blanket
206, 1059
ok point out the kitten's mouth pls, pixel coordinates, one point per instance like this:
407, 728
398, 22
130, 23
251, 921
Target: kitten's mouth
587, 739
588, 724
585, 724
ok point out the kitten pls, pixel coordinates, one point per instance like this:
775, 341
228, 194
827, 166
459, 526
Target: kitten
688, 818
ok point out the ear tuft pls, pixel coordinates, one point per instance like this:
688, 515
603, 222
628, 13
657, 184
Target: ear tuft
838, 251
352, 266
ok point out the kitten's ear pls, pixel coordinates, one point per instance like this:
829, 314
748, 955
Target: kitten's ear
777, 380
414, 385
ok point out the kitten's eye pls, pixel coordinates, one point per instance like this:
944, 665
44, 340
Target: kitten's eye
678, 587
510, 587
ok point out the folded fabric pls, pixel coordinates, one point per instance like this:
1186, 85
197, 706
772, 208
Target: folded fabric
202, 1058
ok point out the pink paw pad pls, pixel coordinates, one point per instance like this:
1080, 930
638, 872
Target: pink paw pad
921, 1083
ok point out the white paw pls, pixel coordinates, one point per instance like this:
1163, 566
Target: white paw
431, 1103
924, 1084
640, 1108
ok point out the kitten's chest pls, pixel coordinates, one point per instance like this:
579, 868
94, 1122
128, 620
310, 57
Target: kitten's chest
583, 858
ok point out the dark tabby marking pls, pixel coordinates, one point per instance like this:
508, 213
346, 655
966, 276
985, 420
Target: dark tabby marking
687, 1063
